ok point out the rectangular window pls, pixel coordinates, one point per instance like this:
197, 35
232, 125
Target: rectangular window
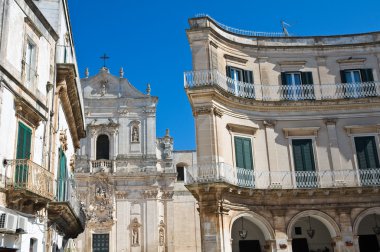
368, 160
358, 83
180, 173
304, 165
100, 242
238, 78
30, 73
297, 85
244, 162
366, 152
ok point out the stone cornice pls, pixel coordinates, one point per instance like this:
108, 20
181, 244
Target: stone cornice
28, 113
70, 97
232, 101
42, 19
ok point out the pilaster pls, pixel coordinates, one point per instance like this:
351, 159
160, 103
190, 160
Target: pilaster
334, 154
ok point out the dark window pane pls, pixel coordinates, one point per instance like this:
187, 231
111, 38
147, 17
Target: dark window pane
102, 147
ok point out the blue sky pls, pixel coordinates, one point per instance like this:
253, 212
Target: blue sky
147, 38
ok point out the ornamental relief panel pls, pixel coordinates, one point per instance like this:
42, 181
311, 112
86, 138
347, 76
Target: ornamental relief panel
101, 204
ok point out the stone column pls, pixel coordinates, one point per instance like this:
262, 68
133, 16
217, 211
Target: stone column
348, 240
212, 229
283, 243
270, 138
334, 152
151, 222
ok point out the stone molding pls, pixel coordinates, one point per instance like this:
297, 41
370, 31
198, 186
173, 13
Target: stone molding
304, 131
27, 112
69, 95
359, 129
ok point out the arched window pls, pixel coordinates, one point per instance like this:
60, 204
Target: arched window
102, 147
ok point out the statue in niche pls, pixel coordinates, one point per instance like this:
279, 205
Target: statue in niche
161, 237
135, 134
135, 232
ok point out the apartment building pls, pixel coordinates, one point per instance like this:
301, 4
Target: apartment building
41, 123
287, 135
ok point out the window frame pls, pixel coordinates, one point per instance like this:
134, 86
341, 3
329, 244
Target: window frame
92, 240
251, 138
353, 145
291, 156
30, 68
31, 138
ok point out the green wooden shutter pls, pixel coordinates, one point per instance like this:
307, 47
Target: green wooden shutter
307, 77
243, 153
303, 155
228, 71
247, 76
23, 141
283, 79
239, 152
366, 74
247, 150
366, 152
62, 172
343, 76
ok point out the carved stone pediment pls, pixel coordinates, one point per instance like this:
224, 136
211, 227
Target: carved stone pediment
96, 129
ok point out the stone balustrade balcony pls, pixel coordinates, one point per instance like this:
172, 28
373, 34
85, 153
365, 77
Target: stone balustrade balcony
275, 92
29, 186
222, 172
103, 165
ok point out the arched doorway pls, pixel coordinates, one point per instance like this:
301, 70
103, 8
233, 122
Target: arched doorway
247, 236
369, 233
310, 234
102, 147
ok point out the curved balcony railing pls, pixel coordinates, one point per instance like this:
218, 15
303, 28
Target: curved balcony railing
269, 92
240, 31
221, 172
24, 174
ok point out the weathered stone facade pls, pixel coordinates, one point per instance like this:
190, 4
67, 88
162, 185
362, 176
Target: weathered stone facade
255, 101
41, 122
126, 177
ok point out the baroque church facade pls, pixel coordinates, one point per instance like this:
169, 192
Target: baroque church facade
127, 177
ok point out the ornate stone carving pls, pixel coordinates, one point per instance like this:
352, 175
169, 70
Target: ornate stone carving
121, 195
100, 209
72, 163
161, 233
63, 139
97, 129
150, 194
218, 112
166, 143
202, 110
330, 121
135, 226
269, 123
167, 195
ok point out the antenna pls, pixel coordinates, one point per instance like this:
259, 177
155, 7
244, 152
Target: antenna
284, 30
